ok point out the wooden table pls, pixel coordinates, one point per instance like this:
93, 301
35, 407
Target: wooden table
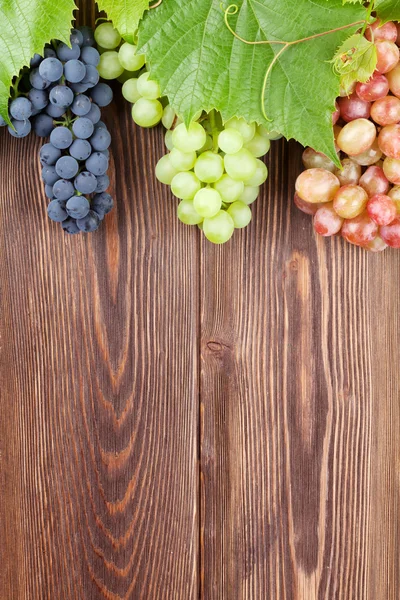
181, 421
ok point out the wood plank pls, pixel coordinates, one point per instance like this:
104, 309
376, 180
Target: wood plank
300, 409
98, 385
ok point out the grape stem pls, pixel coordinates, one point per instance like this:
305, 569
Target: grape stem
156, 4
214, 130
233, 9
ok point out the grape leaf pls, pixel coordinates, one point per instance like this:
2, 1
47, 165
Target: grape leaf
388, 10
26, 26
201, 65
125, 15
355, 60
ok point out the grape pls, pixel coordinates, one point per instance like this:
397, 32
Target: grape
129, 90
74, 71
317, 185
207, 202
350, 172
230, 141
356, 136
377, 245
271, 135
102, 94
147, 113
81, 104
393, 78
61, 96
305, 207
259, 176
79, 88
89, 223
49, 53
165, 171
185, 185
168, 140
228, 188
48, 190
109, 65
391, 168
369, 157
101, 139
66, 53
76, 37
347, 90
326, 221
70, 226
209, 167
258, 145
129, 59
90, 56
102, 203
67, 167
21, 128
35, 61
80, 149
187, 213
37, 81
100, 124
250, 194
87, 34
390, 234
388, 56
182, 161
106, 36
240, 213
3, 122
386, 111
147, 87
51, 69
94, 113
241, 165
168, 117
374, 181
103, 183
83, 128
21, 109
63, 189
189, 139
49, 154
78, 207
247, 130
317, 160
381, 209
38, 98
394, 194
350, 201
97, 163
43, 125
375, 88
90, 80
55, 111
219, 229
361, 230
56, 211
389, 140
353, 107
376, 31
61, 138
85, 182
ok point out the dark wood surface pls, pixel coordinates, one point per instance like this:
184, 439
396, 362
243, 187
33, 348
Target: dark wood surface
179, 420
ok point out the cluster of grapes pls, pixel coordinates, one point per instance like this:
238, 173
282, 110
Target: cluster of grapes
361, 201
75, 161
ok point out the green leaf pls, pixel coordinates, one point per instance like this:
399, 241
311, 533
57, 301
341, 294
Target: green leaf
355, 60
200, 64
125, 15
388, 10
26, 26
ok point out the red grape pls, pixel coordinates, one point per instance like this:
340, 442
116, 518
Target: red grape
389, 140
393, 78
361, 230
326, 221
350, 201
317, 185
375, 88
388, 56
353, 107
391, 168
386, 111
357, 136
376, 31
317, 160
306, 207
391, 233
377, 245
381, 209
369, 157
350, 172
374, 181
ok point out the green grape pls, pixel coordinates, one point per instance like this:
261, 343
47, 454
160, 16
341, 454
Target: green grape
106, 36
168, 117
259, 145
185, 185
241, 166
209, 167
230, 140
165, 171
209, 144
130, 91
207, 202
182, 161
147, 113
249, 194
168, 140
126, 75
260, 175
197, 115
200, 226
247, 130
240, 213
271, 135
219, 229
129, 59
229, 189
109, 66
189, 139
187, 213
148, 88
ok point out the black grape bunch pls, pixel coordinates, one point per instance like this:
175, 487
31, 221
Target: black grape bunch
60, 96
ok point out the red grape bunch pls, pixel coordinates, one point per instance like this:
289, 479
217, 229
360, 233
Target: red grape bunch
361, 201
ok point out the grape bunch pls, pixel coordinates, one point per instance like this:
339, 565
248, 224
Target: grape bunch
361, 200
